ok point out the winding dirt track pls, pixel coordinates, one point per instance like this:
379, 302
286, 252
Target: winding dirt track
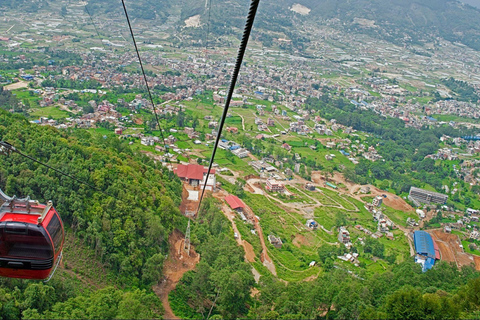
177, 263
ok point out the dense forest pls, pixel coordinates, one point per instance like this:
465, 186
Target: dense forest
125, 220
463, 91
127, 223
7, 99
221, 282
404, 293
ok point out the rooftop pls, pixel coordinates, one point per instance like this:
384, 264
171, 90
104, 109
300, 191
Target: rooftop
192, 171
234, 202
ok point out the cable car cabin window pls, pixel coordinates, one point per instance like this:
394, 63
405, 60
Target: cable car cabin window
55, 229
21, 240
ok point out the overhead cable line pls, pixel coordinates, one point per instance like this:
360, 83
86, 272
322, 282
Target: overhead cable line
208, 26
95, 26
146, 82
7, 149
241, 52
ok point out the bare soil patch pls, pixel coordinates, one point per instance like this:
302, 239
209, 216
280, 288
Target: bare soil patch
249, 188
249, 252
300, 240
177, 263
298, 8
193, 21
311, 278
187, 206
16, 85
446, 253
477, 262
392, 200
450, 250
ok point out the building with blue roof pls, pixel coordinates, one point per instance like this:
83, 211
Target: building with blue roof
27, 77
424, 249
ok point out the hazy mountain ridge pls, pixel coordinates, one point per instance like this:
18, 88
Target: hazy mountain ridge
409, 21
402, 22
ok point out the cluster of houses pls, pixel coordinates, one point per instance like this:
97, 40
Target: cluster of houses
350, 257
234, 148
384, 224
454, 107
444, 154
468, 221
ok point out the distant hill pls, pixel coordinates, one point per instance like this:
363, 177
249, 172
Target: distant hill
406, 20
474, 3
397, 21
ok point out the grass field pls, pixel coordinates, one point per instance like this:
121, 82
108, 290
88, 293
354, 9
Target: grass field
50, 112
231, 161
452, 117
397, 216
235, 120
322, 197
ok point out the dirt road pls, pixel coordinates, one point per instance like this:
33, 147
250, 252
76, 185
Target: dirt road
249, 253
243, 120
266, 260
177, 263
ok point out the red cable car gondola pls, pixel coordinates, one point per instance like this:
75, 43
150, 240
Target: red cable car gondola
31, 238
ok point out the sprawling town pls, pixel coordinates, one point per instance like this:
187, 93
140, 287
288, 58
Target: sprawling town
355, 146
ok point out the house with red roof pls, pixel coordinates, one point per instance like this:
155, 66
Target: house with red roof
195, 174
235, 203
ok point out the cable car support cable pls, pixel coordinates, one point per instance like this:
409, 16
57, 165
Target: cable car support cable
7, 149
241, 52
96, 29
146, 82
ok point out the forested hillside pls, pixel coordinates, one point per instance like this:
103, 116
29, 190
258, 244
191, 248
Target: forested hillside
221, 283
405, 293
126, 223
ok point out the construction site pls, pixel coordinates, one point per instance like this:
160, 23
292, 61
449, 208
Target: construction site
451, 249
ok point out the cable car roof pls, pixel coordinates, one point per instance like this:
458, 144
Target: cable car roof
27, 218
23, 210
